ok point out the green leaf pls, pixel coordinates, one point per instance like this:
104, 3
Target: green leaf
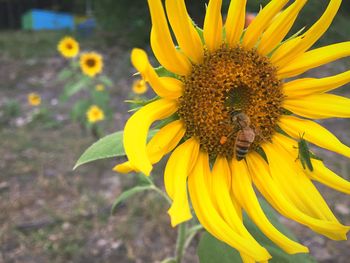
65, 74
211, 250
105, 80
107, 147
71, 88
79, 110
129, 193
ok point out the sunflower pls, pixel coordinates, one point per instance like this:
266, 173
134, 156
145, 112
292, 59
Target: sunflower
139, 86
100, 87
230, 81
91, 63
34, 99
95, 114
68, 47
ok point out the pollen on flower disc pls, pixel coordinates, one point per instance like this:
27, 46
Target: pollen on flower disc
227, 82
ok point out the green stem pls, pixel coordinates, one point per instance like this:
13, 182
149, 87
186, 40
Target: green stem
160, 192
180, 243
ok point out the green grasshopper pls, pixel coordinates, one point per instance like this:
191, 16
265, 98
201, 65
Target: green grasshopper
305, 155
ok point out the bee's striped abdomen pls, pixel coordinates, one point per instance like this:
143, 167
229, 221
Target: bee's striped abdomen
244, 139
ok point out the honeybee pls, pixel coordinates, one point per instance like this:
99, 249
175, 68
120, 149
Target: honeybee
245, 136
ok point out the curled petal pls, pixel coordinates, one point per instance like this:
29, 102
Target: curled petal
178, 168
221, 185
261, 22
310, 86
164, 87
162, 43
243, 189
186, 35
300, 190
209, 216
280, 201
136, 130
162, 143
297, 46
279, 28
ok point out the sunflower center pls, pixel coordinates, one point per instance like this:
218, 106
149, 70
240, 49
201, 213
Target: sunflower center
230, 81
91, 62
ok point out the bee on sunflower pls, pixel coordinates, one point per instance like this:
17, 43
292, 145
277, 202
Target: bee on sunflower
225, 84
68, 47
91, 64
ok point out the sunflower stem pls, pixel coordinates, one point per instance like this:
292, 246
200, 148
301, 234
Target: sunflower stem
180, 243
161, 193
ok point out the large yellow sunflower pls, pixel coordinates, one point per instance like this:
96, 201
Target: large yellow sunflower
68, 47
91, 63
230, 83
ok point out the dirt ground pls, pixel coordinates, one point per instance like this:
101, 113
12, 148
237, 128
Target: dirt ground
51, 214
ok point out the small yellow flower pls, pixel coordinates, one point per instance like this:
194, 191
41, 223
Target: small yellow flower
91, 64
34, 99
139, 86
95, 114
99, 87
68, 47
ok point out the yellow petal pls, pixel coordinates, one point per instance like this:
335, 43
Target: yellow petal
209, 216
300, 190
235, 22
186, 35
221, 185
181, 161
309, 86
165, 140
313, 59
298, 45
178, 168
212, 30
268, 187
320, 106
279, 28
136, 129
164, 87
314, 133
162, 43
261, 22
124, 168
327, 177
243, 189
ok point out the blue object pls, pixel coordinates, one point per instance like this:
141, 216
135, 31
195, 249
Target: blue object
87, 27
37, 19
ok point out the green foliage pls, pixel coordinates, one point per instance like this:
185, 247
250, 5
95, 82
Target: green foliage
11, 109
74, 87
107, 147
211, 250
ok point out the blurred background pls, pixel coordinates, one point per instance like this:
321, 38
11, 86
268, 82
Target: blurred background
50, 213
